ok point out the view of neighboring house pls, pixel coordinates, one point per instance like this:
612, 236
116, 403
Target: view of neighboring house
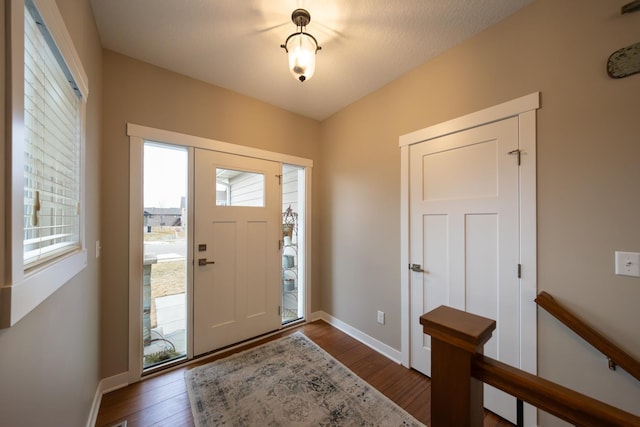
159, 217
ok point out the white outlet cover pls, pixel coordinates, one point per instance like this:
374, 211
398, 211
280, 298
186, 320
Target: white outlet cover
627, 264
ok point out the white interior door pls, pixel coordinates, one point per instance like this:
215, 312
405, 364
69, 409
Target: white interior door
236, 290
464, 232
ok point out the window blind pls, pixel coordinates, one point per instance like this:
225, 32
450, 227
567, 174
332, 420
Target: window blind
52, 115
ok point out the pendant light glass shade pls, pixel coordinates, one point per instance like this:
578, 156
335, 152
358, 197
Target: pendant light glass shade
301, 49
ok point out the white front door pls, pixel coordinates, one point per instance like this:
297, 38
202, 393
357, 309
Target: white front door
236, 290
464, 232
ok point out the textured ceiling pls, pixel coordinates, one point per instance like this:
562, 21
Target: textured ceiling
235, 44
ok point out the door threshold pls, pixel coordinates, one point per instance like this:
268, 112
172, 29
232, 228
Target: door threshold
164, 366
184, 362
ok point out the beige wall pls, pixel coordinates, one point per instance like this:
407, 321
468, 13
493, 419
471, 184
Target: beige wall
49, 361
136, 92
588, 206
588, 179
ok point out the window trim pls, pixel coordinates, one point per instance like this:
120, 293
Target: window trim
24, 291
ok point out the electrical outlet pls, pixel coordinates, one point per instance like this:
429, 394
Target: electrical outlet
381, 317
98, 247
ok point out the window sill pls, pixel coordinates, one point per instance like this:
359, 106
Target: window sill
20, 298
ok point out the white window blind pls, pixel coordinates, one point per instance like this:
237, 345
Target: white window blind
52, 148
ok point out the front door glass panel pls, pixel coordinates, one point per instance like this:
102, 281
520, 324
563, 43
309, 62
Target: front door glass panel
239, 188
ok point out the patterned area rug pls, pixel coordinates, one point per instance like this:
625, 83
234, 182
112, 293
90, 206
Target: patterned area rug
287, 382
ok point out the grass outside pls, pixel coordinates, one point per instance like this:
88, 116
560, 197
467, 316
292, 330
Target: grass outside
164, 233
167, 278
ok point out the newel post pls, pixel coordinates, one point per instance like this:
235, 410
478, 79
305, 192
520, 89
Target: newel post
456, 336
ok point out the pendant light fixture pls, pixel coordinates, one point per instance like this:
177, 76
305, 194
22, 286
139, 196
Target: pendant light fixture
301, 47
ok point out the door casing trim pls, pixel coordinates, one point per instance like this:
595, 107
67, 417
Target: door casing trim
138, 135
525, 109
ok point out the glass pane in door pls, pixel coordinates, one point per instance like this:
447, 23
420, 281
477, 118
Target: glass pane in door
239, 188
164, 324
293, 235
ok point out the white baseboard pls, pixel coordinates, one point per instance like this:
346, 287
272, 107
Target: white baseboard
365, 339
115, 382
95, 407
105, 386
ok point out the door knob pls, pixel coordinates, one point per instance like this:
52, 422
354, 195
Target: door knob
417, 268
203, 261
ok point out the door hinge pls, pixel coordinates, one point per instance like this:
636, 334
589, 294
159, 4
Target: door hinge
280, 243
279, 310
519, 271
518, 153
279, 179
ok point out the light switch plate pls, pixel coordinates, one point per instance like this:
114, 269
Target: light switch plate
627, 264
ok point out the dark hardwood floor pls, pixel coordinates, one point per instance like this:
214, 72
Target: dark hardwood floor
162, 400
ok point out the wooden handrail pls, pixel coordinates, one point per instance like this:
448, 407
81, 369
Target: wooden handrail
458, 370
555, 399
615, 354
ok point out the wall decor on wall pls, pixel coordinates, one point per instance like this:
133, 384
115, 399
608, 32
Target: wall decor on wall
624, 62
634, 6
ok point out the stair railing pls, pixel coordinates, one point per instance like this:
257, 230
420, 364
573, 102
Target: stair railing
459, 369
615, 355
